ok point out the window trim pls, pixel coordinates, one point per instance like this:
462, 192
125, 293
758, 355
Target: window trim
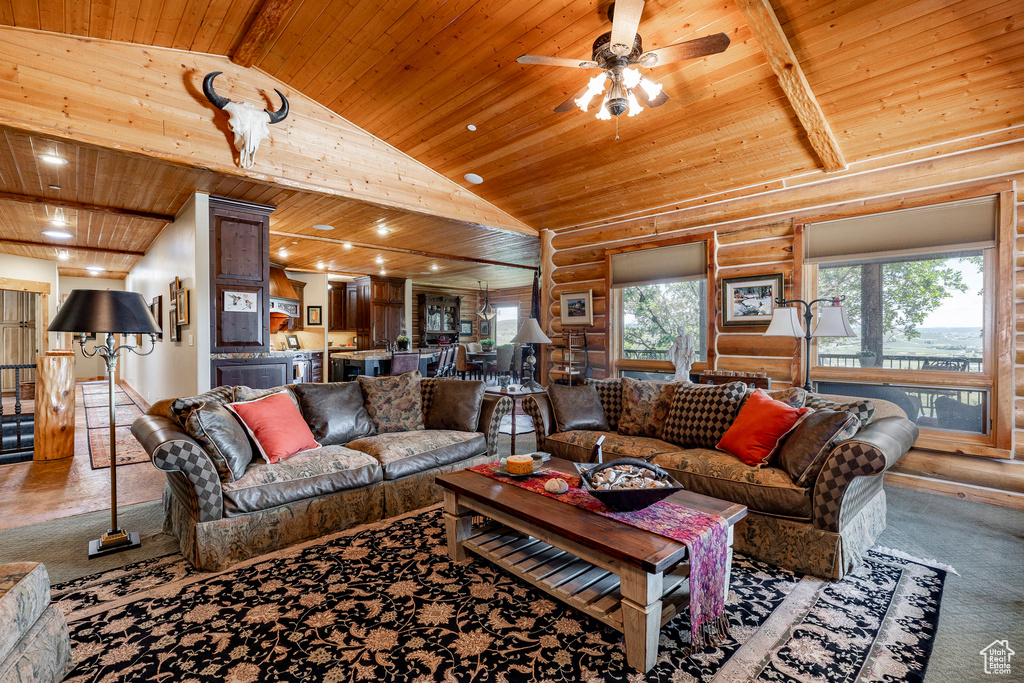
997, 373
613, 328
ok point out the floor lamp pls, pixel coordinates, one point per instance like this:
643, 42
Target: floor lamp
832, 322
530, 333
100, 311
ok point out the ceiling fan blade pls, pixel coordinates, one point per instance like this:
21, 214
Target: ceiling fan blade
657, 101
691, 49
558, 61
625, 22
571, 102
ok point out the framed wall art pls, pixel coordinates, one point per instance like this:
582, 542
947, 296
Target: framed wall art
314, 315
293, 341
466, 328
181, 303
750, 300
578, 308
241, 302
156, 307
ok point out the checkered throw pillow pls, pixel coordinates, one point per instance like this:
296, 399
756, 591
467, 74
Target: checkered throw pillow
700, 414
180, 408
610, 393
863, 409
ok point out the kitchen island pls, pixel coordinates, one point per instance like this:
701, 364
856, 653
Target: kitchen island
347, 365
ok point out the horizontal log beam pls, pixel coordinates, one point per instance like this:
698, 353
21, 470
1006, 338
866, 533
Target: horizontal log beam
82, 206
69, 247
261, 32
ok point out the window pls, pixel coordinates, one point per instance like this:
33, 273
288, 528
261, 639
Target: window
506, 324
655, 293
919, 290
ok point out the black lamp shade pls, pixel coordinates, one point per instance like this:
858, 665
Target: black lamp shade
98, 310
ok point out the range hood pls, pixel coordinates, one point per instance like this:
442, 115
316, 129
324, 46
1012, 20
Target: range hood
284, 302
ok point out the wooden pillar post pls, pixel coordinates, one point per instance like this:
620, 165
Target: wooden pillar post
547, 267
55, 406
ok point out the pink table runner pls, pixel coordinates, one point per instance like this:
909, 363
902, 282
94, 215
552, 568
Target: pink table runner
705, 537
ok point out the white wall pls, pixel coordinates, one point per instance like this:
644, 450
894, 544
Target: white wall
89, 368
182, 249
36, 270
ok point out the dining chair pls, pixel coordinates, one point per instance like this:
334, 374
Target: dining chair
464, 366
402, 363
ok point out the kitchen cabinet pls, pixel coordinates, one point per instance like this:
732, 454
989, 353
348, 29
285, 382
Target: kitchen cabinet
296, 323
380, 310
307, 367
342, 307
258, 373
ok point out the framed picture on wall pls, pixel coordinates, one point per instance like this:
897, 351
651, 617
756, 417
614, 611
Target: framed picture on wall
485, 328
466, 328
750, 300
314, 315
181, 303
578, 308
156, 307
240, 302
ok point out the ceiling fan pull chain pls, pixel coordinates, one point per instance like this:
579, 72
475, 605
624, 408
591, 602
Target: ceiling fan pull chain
616, 129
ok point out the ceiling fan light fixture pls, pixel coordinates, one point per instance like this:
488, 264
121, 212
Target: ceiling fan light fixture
650, 88
631, 77
634, 106
594, 88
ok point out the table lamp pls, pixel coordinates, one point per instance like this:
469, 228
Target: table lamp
101, 311
832, 322
530, 333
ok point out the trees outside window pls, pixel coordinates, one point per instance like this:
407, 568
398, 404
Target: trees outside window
652, 313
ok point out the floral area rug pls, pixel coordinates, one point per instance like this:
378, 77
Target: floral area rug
385, 603
95, 400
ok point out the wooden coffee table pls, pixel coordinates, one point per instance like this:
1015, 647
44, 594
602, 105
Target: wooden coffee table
628, 578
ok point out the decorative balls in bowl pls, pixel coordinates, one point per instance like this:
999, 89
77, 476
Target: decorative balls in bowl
627, 484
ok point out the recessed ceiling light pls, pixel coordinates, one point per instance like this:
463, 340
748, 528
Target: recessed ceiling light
382, 230
283, 253
323, 226
471, 127
63, 254
294, 242
57, 234
433, 266
95, 269
54, 187
53, 159
473, 178
320, 266
379, 260
383, 272
347, 245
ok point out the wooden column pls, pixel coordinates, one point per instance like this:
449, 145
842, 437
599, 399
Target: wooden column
55, 406
547, 268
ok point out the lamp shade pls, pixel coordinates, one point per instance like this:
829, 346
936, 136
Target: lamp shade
832, 322
98, 310
785, 323
530, 333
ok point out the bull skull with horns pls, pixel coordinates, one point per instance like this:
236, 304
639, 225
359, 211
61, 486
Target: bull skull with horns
249, 124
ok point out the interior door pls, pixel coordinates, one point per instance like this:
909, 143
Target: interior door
17, 335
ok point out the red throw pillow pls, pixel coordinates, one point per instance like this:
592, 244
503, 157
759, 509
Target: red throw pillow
757, 430
276, 425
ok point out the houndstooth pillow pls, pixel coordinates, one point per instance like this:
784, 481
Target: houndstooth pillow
610, 393
700, 413
863, 409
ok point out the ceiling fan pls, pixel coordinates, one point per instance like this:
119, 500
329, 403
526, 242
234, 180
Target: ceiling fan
616, 53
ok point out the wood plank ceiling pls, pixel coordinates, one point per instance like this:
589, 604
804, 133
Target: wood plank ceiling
887, 76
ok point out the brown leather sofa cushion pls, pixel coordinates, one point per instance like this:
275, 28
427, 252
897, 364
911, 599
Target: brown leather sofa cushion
334, 412
767, 489
222, 437
578, 445
403, 453
455, 404
304, 475
181, 407
803, 453
577, 407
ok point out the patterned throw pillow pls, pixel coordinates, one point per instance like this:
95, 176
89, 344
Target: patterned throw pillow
794, 397
181, 407
863, 409
700, 414
610, 393
645, 406
395, 404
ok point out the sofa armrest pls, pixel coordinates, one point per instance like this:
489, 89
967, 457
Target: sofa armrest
189, 469
494, 408
871, 452
538, 407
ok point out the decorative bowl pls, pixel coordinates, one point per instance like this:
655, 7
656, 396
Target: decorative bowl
627, 500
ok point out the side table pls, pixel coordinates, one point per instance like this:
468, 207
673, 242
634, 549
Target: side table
514, 392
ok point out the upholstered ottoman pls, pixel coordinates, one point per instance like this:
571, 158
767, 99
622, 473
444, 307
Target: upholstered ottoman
34, 643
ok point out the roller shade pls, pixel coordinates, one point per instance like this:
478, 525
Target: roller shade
965, 224
661, 264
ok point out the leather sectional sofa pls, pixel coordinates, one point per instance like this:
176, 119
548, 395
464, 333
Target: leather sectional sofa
220, 518
822, 528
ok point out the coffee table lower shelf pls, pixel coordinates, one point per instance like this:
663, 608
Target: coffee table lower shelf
589, 588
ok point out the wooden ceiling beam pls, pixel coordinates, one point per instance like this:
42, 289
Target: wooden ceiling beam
261, 32
401, 250
82, 206
782, 60
69, 247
